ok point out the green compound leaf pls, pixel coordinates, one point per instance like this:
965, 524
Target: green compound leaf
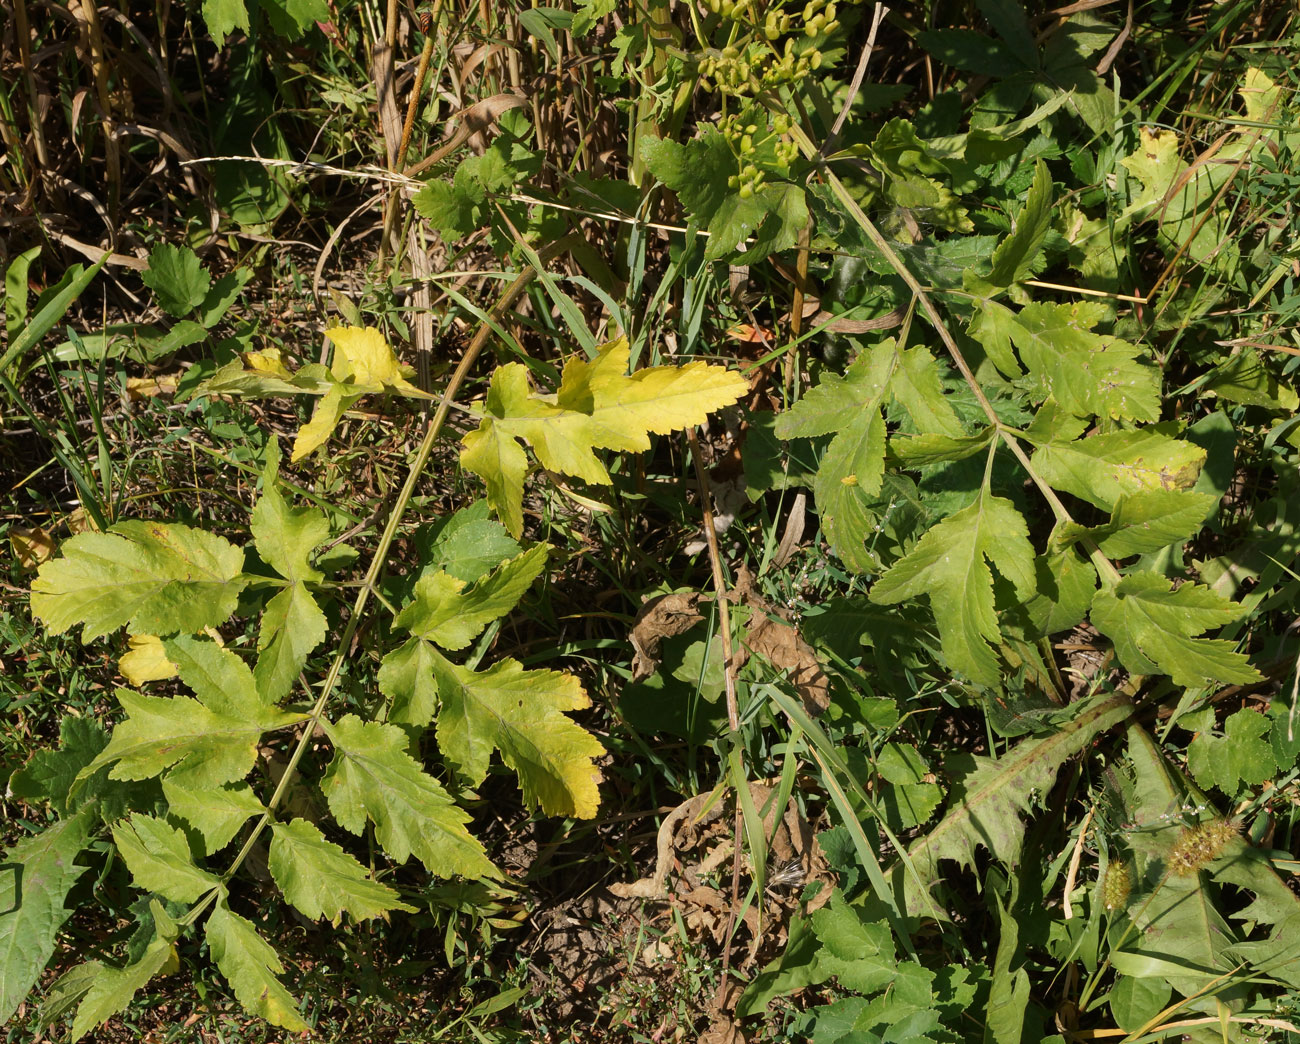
597, 407
216, 813
113, 988
1154, 628
292, 623
49, 775
1086, 372
372, 775
213, 739
520, 713
948, 565
177, 277
159, 859
442, 611
37, 875
858, 951
1101, 468
1242, 754
152, 577
250, 965
1144, 522
322, 880
406, 678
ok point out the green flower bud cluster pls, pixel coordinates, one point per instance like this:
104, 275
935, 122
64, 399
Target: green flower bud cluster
760, 146
819, 18
730, 70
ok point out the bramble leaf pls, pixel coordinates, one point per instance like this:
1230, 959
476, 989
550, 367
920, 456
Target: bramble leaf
442, 611
948, 566
1154, 628
38, 874
520, 713
322, 880
597, 407
159, 859
1242, 754
250, 965
177, 277
152, 577
372, 775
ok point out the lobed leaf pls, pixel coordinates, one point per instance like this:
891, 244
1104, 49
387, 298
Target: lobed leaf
250, 965
112, 988
158, 856
372, 775
152, 577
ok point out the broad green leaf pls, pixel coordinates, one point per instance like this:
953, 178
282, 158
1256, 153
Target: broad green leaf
970, 51
858, 951
469, 544
113, 988
210, 746
222, 295
406, 677
1100, 468
217, 813
177, 277
1242, 754
36, 876
15, 295
443, 612
1014, 256
597, 407
986, 804
158, 856
322, 880
152, 577
1246, 378
1066, 582
948, 566
250, 965
293, 18
1144, 522
916, 451
49, 775
292, 626
223, 17
1154, 628
1087, 373
372, 775
918, 388
453, 209
520, 713
835, 402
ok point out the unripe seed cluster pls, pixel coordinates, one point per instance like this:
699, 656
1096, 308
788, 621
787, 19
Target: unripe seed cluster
1115, 889
1198, 845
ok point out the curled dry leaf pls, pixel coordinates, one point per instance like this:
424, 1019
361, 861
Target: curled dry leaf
663, 617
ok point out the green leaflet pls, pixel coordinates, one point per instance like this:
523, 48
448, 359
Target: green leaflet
159, 859
292, 623
948, 566
373, 776
216, 813
177, 276
1154, 628
50, 775
250, 965
1144, 522
151, 577
441, 611
1101, 468
598, 406
1086, 372
213, 739
986, 804
112, 988
322, 880
521, 714
1014, 256
37, 875
1242, 754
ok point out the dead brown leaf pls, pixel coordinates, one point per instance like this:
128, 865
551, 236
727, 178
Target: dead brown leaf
663, 617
